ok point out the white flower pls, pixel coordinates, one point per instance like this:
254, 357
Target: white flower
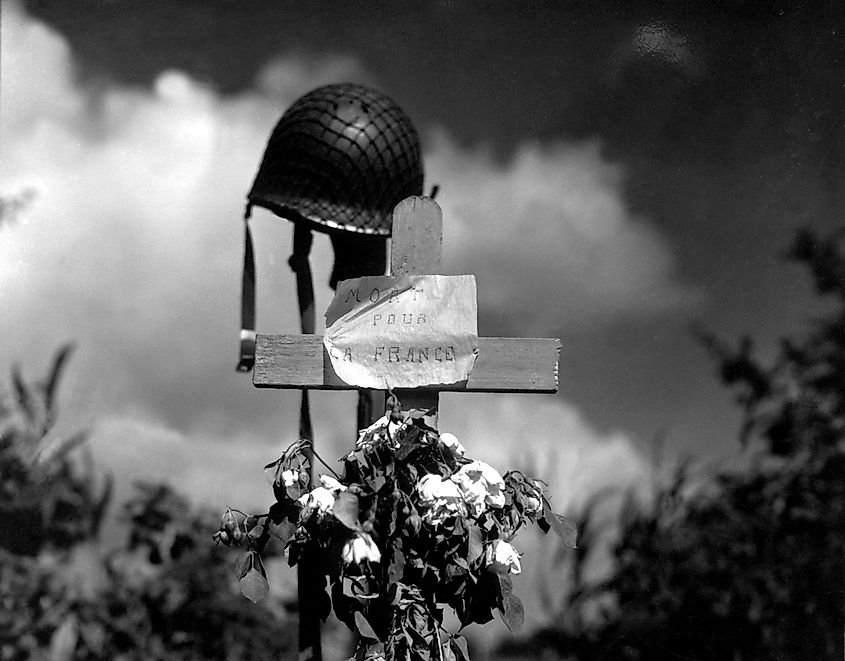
320, 499
331, 484
432, 487
290, 477
475, 497
502, 556
481, 485
439, 498
533, 504
451, 443
361, 547
381, 429
381, 422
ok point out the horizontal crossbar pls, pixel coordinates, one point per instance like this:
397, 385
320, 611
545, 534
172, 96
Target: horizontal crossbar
504, 364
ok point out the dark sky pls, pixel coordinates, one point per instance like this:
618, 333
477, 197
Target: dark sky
727, 117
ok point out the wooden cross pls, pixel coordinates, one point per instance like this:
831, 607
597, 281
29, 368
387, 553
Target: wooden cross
504, 364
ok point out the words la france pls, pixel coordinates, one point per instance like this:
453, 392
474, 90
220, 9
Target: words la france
384, 318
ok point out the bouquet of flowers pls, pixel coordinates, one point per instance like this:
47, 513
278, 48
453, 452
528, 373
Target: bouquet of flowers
411, 527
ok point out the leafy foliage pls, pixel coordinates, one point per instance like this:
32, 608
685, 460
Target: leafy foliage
46, 498
162, 593
748, 564
411, 528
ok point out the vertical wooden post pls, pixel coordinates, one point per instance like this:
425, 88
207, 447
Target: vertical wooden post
416, 249
309, 575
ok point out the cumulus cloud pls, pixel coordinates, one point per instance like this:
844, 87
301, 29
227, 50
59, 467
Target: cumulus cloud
550, 238
130, 244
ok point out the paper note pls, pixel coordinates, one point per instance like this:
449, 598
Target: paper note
404, 331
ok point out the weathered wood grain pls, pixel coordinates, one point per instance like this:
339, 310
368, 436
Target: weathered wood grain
417, 243
504, 364
416, 249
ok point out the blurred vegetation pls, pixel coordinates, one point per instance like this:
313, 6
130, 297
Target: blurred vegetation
164, 592
743, 563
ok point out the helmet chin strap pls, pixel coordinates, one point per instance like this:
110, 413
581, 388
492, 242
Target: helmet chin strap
247, 357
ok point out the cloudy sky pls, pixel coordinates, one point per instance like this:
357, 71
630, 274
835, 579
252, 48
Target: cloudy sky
613, 173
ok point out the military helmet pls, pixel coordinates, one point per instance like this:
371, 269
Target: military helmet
340, 158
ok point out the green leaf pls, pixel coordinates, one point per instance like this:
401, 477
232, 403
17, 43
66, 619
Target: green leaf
397, 566
459, 644
475, 544
441, 650
563, 527
405, 449
52, 384
416, 638
512, 611
377, 482
254, 586
345, 509
64, 639
513, 614
258, 530
505, 584
23, 394
271, 471
357, 587
364, 627
244, 564
60, 449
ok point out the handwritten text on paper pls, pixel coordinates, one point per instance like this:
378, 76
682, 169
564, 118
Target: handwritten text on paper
403, 331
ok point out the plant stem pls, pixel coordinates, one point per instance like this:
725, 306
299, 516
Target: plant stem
322, 461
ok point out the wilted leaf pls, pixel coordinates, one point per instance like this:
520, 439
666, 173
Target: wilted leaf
94, 636
563, 527
513, 614
416, 639
475, 544
271, 471
63, 640
258, 529
566, 530
345, 509
377, 482
442, 650
50, 387
364, 627
60, 449
505, 583
405, 449
427, 418
459, 645
22, 394
397, 566
244, 564
254, 586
